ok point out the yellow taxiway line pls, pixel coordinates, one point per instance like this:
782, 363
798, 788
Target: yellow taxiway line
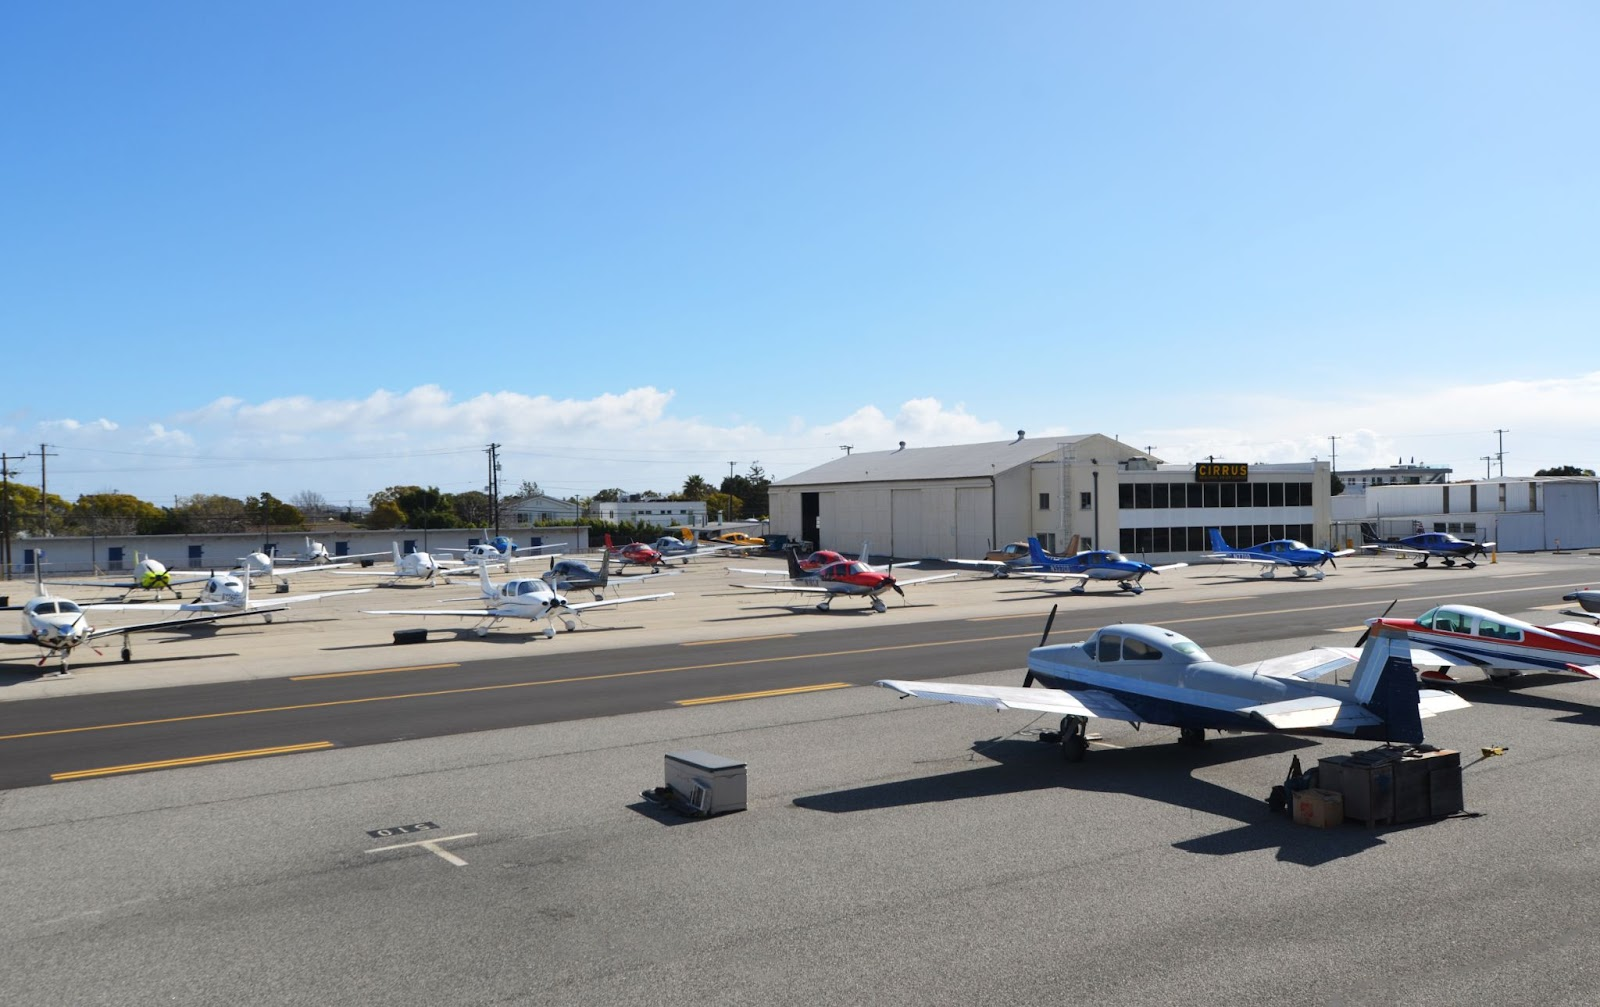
737, 639
194, 760
763, 694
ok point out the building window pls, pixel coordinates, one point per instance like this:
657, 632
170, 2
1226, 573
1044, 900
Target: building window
1044, 501
1085, 501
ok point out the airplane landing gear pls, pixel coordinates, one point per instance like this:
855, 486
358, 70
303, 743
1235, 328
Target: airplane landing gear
1422, 565
1470, 563
481, 631
879, 606
549, 632
1080, 589
1269, 573
1301, 571
1074, 738
571, 624
1194, 737
823, 605
127, 654
1449, 561
1131, 586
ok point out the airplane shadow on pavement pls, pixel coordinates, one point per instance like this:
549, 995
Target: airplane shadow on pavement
1156, 772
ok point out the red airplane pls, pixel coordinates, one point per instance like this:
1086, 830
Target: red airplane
814, 562
636, 554
1502, 647
843, 576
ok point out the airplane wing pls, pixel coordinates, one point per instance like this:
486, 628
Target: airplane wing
1223, 557
1169, 566
473, 613
1307, 664
1084, 703
770, 571
926, 580
1403, 550
582, 606
180, 623
129, 585
1050, 576
790, 586
293, 570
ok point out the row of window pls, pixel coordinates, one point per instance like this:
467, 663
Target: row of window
1196, 539
1160, 496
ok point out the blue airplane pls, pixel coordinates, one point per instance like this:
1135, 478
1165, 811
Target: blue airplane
1096, 564
1434, 543
1305, 560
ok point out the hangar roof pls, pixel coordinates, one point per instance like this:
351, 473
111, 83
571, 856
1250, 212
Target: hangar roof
955, 461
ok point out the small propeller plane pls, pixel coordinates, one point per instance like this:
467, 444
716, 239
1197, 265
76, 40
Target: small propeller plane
317, 554
576, 575
635, 554
410, 566
1502, 647
1096, 564
500, 551
1305, 560
149, 574
58, 626
1434, 543
1013, 556
847, 577
526, 598
816, 561
1588, 601
259, 564
1150, 675
228, 593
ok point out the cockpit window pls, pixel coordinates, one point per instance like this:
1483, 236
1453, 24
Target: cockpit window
1138, 650
1110, 647
68, 607
1189, 648
1498, 630
1425, 620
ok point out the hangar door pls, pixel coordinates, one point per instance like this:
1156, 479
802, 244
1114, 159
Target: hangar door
974, 522
908, 536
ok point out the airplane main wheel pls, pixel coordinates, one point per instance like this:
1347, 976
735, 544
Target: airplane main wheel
1194, 737
1449, 561
1074, 747
549, 632
127, 655
879, 606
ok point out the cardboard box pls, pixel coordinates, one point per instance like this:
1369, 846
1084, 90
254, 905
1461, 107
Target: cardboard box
1320, 809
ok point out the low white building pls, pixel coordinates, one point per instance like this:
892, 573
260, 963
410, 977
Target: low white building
1517, 514
667, 513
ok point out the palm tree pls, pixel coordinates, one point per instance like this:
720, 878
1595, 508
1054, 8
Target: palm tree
696, 488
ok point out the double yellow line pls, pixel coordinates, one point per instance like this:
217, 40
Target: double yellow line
194, 760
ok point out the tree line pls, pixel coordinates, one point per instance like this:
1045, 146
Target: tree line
26, 511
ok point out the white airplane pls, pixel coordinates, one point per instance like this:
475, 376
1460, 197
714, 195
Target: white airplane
260, 564
317, 554
501, 552
149, 574
1149, 675
525, 598
228, 593
410, 566
58, 626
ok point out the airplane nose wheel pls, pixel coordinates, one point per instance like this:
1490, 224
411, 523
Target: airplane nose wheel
1194, 737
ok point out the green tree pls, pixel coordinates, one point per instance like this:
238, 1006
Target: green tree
473, 509
267, 511
751, 490
427, 508
611, 495
1565, 470
115, 513
385, 514
695, 488
205, 513
30, 516
724, 507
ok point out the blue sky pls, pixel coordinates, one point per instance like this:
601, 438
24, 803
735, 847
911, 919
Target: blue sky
335, 247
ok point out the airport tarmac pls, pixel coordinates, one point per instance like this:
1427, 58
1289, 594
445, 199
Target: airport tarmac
893, 852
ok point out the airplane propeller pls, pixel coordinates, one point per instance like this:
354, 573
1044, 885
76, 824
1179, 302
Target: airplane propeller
1368, 631
1478, 550
1027, 680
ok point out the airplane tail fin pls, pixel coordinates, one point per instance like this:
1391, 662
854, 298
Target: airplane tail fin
605, 563
1217, 543
396, 546
484, 581
795, 573
1385, 682
1036, 551
1074, 545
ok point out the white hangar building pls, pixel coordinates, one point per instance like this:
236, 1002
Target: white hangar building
964, 499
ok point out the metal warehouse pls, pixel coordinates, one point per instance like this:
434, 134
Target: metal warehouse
961, 500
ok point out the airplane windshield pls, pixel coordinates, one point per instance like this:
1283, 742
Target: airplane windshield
68, 607
1189, 648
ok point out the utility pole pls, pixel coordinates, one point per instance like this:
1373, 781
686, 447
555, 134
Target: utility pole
1501, 453
1486, 459
6, 472
729, 492
44, 507
1333, 447
494, 484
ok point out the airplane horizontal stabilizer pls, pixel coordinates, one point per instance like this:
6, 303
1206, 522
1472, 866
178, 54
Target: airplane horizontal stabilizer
1431, 702
1087, 703
1592, 670
1314, 712
1305, 665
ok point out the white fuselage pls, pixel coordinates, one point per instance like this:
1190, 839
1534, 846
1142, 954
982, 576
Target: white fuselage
55, 623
